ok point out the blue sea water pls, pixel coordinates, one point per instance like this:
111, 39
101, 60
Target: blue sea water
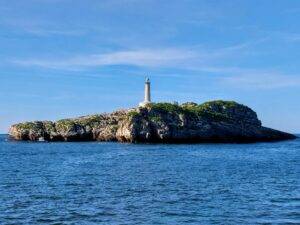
113, 183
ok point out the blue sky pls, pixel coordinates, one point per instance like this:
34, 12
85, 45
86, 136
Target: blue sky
66, 58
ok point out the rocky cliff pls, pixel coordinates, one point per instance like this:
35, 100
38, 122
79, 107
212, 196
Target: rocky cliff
215, 121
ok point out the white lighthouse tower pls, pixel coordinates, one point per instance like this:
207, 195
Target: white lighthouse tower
147, 98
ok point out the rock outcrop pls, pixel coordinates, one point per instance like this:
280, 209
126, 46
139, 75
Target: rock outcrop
215, 121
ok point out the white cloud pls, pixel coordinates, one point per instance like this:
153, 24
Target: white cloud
193, 58
141, 57
40, 27
54, 32
196, 60
262, 80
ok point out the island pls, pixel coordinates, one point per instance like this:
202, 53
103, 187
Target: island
209, 122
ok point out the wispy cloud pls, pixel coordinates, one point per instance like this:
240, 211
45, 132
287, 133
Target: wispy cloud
54, 32
141, 57
261, 80
194, 58
39, 28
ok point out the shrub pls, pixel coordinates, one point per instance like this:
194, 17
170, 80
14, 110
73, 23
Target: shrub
218, 103
89, 120
166, 107
65, 124
132, 113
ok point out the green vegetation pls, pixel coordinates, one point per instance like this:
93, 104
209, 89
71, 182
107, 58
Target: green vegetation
219, 103
49, 126
65, 124
132, 114
214, 110
155, 118
36, 126
210, 110
89, 120
166, 107
28, 126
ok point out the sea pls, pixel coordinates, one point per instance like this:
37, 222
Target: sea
117, 183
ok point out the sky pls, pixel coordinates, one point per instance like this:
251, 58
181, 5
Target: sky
68, 58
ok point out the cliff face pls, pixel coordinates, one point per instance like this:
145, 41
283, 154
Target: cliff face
216, 121
102, 127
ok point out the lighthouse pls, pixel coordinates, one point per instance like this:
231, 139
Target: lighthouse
147, 98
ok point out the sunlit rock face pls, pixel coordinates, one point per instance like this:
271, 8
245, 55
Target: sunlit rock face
215, 121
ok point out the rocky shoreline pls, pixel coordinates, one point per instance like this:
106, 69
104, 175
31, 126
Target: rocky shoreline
214, 121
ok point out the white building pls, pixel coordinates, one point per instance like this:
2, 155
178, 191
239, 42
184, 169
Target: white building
147, 98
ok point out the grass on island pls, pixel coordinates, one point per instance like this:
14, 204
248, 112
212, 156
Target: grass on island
211, 110
29, 126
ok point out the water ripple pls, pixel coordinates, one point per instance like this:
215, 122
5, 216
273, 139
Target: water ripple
111, 183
